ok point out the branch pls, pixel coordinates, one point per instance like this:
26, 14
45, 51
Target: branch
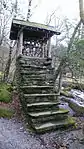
65, 59
73, 35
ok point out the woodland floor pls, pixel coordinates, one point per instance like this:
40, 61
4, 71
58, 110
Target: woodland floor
15, 135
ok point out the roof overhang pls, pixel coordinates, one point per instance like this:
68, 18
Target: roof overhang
31, 30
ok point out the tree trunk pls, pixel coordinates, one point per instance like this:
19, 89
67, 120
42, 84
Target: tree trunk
81, 8
65, 59
29, 10
7, 68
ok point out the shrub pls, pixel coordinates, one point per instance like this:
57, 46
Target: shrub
6, 113
5, 93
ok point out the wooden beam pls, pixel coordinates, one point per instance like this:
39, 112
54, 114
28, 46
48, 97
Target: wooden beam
49, 48
20, 44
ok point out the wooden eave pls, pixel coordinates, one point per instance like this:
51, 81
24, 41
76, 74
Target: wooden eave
31, 30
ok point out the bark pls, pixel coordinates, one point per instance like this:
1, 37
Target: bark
29, 10
81, 9
73, 35
8, 64
7, 68
60, 82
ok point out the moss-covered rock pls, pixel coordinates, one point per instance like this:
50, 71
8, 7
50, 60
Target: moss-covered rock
66, 93
79, 109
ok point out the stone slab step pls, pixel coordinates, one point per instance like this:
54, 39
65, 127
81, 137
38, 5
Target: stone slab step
41, 95
47, 113
32, 60
55, 125
50, 118
32, 72
35, 79
33, 75
35, 98
24, 57
43, 106
39, 83
37, 89
33, 67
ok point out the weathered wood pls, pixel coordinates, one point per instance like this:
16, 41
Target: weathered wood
19, 44
49, 48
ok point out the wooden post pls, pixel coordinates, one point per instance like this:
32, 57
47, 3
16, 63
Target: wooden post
49, 48
43, 48
20, 44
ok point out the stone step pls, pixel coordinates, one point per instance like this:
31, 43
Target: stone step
33, 76
47, 113
41, 95
40, 81
55, 125
46, 77
43, 106
32, 60
36, 78
37, 89
33, 67
35, 98
32, 72
31, 82
47, 116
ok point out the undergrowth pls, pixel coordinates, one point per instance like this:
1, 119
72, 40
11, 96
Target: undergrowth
5, 93
6, 113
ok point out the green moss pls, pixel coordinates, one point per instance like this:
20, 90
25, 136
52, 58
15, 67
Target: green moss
5, 93
66, 93
77, 108
71, 120
63, 110
67, 89
6, 113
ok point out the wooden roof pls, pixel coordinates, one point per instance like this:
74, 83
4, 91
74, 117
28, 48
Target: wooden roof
32, 30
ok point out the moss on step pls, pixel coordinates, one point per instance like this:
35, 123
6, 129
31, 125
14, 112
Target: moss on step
77, 108
51, 126
67, 88
63, 110
71, 120
66, 93
6, 113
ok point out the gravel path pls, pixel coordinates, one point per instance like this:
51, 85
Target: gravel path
13, 135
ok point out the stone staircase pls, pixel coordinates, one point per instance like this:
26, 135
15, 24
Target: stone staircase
38, 98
